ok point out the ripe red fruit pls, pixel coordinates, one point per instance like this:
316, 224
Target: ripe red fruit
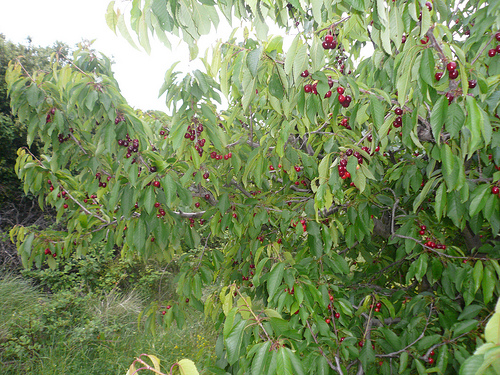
157, 204
342, 339
423, 227
428, 5
340, 90
329, 38
328, 94
452, 65
432, 353
305, 73
497, 48
337, 315
207, 196
297, 168
361, 343
424, 40
271, 168
54, 255
450, 97
438, 76
327, 320
163, 312
398, 111
156, 184
403, 39
65, 205
168, 307
206, 175
497, 36
377, 309
197, 204
308, 88
325, 45
453, 74
235, 215
430, 360
492, 52
472, 83
342, 98
187, 300
47, 251
495, 190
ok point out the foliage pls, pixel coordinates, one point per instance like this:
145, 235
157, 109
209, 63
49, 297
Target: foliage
393, 179
69, 332
12, 133
486, 358
186, 366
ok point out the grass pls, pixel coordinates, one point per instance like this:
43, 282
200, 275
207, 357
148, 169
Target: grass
76, 333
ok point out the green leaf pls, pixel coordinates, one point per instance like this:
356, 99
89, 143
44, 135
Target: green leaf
284, 365
426, 66
253, 59
377, 111
261, 357
438, 117
276, 87
455, 120
233, 342
464, 327
111, 17
471, 365
186, 367
440, 201
474, 123
450, 167
300, 61
478, 199
275, 278
122, 27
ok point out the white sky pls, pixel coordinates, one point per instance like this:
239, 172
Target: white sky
140, 75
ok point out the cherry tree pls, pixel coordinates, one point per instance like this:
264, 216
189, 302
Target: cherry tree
334, 205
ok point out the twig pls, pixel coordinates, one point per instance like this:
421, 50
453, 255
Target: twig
330, 363
420, 337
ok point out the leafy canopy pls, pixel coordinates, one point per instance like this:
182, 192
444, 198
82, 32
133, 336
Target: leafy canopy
355, 206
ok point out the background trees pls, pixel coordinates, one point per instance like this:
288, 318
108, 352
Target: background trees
355, 198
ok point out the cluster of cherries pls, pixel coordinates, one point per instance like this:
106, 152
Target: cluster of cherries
451, 67
102, 184
312, 88
398, 121
303, 222
131, 145
93, 196
216, 156
345, 123
48, 252
119, 118
61, 138
193, 133
430, 243
344, 100
49, 115
59, 195
329, 42
161, 211
493, 51
191, 222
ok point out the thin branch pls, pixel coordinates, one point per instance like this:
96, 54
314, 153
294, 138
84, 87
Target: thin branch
257, 319
330, 363
83, 207
420, 337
